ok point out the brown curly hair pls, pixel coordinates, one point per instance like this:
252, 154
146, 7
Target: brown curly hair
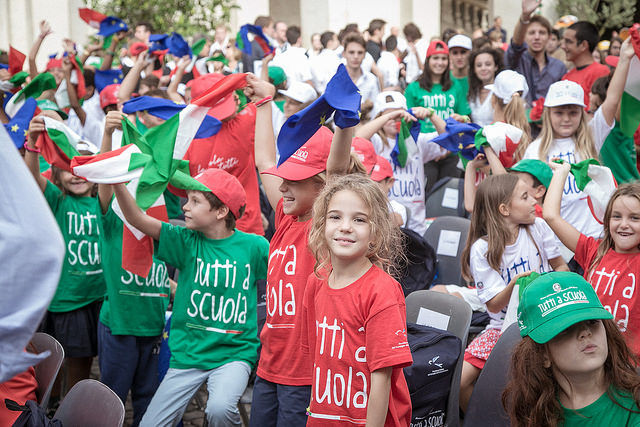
386, 248
530, 397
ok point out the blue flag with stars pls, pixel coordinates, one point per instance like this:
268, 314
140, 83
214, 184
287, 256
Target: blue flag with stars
112, 25
19, 124
158, 42
104, 78
341, 97
459, 138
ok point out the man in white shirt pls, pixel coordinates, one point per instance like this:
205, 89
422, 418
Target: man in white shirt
280, 36
294, 60
354, 51
388, 63
325, 64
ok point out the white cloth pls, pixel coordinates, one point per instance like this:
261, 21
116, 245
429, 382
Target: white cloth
389, 67
575, 206
413, 68
409, 185
481, 112
368, 85
518, 258
92, 129
323, 67
277, 120
32, 250
398, 208
295, 64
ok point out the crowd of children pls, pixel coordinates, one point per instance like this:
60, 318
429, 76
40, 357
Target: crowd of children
276, 250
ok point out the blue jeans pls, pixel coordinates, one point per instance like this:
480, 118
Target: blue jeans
128, 363
279, 405
225, 385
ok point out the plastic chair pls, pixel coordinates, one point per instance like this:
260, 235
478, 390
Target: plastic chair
443, 311
90, 403
446, 198
47, 370
448, 235
485, 406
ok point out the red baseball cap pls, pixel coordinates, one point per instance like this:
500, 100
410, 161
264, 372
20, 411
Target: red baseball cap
109, 95
225, 107
53, 63
308, 160
225, 186
612, 61
381, 170
137, 48
436, 47
365, 152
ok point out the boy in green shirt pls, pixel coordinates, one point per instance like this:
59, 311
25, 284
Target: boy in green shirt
213, 333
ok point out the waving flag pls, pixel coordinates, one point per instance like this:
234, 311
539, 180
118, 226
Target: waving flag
630, 102
39, 84
340, 97
597, 182
406, 146
18, 126
459, 138
59, 144
177, 46
16, 60
91, 17
503, 138
104, 78
243, 43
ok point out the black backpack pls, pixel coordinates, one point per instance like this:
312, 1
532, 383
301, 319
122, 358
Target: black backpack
419, 271
435, 355
32, 415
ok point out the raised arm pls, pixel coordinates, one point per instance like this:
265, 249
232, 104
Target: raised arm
378, 404
340, 152
567, 234
45, 30
134, 215
130, 81
616, 87
36, 126
172, 89
67, 68
497, 168
265, 144
528, 7
112, 50
368, 129
470, 181
89, 50
113, 121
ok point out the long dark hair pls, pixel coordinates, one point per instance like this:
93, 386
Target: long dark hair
475, 85
530, 397
426, 78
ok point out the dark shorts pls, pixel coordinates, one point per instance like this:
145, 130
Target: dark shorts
76, 330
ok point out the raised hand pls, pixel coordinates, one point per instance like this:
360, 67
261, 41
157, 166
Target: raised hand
529, 6
45, 29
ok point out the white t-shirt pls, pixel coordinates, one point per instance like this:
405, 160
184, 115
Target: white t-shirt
389, 67
413, 68
368, 85
398, 208
481, 112
408, 188
93, 126
575, 206
295, 64
323, 67
518, 258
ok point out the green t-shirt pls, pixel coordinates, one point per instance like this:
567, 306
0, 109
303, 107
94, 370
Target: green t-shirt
445, 103
214, 311
618, 153
82, 280
463, 82
133, 305
604, 412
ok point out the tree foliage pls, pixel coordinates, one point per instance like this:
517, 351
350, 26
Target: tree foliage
187, 17
607, 15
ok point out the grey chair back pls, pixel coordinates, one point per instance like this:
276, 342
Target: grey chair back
47, 370
443, 311
90, 403
447, 235
485, 406
446, 198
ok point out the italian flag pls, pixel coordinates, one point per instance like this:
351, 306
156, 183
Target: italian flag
59, 144
597, 182
406, 146
503, 138
630, 102
34, 89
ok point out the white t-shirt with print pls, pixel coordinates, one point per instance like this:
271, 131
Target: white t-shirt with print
408, 188
575, 206
518, 258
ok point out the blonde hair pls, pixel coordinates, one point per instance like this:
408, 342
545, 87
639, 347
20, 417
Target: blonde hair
583, 139
625, 190
515, 115
386, 247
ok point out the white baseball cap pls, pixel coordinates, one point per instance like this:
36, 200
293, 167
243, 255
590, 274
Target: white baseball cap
387, 100
460, 40
301, 92
507, 83
564, 92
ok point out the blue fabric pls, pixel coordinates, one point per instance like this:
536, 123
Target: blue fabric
19, 124
257, 32
459, 138
276, 405
165, 109
177, 46
111, 25
128, 363
104, 78
341, 96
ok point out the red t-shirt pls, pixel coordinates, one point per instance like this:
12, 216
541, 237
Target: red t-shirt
615, 282
586, 76
290, 263
232, 149
20, 388
352, 332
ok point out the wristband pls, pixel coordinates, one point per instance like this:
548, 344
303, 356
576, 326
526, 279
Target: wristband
525, 22
264, 101
33, 150
430, 111
109, 53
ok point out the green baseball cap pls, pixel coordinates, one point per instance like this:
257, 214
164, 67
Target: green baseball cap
46, 104
535, 167
555, 301
277, 75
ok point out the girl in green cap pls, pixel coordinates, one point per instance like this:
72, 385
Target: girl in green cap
572, 366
